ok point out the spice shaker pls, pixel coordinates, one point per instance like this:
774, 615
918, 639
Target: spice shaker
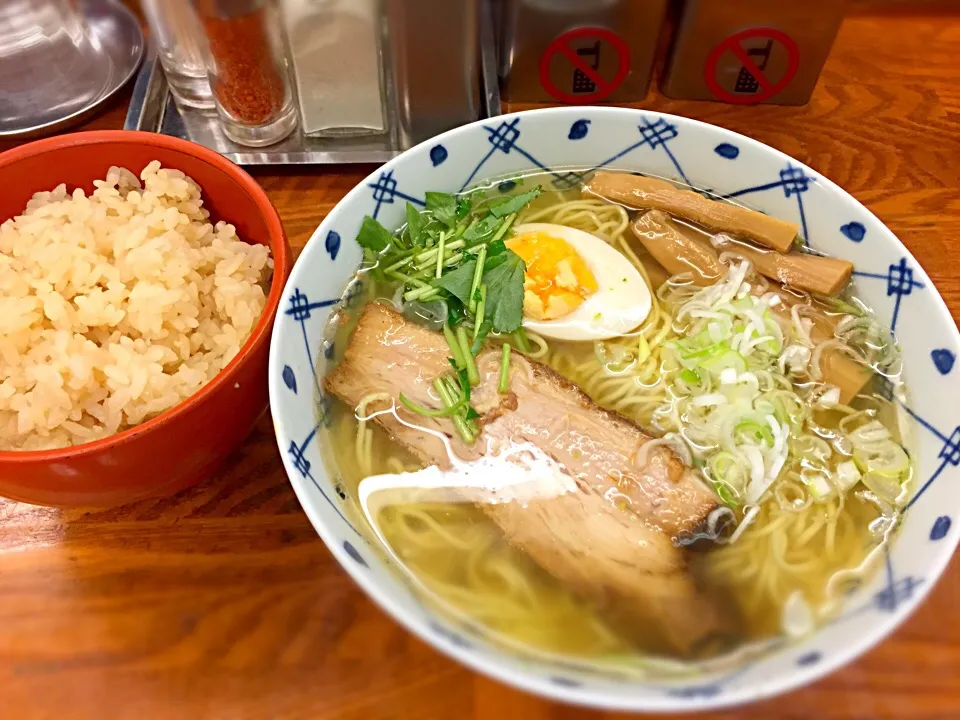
182, 48
747, 52
248, 70
335, 51
434, 53
577, 51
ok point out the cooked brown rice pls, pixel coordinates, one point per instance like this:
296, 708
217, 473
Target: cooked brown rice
117, 306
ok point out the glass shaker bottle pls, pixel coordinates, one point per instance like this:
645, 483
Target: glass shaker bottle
182, 48
248, 70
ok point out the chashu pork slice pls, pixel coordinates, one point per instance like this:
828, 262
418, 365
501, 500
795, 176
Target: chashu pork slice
612, 537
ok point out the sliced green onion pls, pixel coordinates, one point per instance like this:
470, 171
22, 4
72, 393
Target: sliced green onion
818, 485
454, 346
504, 369
755, 430
842, 306
725, 359
471, 366
885, 459
690, 377
699, 352
884, 487
848, 475
726, 495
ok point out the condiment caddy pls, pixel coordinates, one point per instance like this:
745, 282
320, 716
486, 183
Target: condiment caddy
255, 76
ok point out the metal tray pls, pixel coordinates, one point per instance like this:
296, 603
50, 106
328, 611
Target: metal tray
78, 77
152, 108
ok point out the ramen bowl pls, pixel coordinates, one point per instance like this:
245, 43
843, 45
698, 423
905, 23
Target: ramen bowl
559, 141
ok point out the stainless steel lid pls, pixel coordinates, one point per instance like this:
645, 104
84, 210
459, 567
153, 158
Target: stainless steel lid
58, 65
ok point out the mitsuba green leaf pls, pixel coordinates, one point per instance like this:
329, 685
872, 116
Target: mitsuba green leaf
458, 282
455, 311
496, 248
464, 380
373, 235
505, 292
443, 206
482, 229
494, 261
414, 225
514, 203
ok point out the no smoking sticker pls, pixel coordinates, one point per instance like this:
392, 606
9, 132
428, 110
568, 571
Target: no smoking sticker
584, 65
751, 66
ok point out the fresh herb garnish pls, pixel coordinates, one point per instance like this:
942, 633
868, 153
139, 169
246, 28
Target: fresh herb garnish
464, 205
482, 229
496, 248
455, 311
465, 347
505, 293
454, 250
458, 282
373, 235
480, 334
514, 203
414, 225
443, 206
504, 369
464, 382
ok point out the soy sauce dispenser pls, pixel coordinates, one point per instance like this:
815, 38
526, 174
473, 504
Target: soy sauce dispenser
577, 51
746, 52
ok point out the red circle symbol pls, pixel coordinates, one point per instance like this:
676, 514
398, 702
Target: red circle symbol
766, 88
604, 86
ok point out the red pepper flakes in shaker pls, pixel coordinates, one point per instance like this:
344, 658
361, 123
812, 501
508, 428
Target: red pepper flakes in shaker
248, 85
249, 70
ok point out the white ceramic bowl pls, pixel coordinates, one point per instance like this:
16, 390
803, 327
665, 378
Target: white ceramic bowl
888, 277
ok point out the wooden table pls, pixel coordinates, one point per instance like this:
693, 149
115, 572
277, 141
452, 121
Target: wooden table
221, 602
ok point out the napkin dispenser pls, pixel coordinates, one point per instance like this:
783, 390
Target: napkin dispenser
433, 55
577, 51
746, 52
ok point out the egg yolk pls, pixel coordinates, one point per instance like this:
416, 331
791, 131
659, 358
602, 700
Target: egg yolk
557, 280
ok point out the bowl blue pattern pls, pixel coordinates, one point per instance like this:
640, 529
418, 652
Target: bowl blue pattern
564, 141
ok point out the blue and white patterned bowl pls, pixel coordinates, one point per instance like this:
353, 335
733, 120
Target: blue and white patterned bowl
888, 277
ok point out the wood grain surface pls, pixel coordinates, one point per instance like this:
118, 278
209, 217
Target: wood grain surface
221, 602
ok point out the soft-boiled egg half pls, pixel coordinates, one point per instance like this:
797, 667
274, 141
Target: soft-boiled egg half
577, 287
